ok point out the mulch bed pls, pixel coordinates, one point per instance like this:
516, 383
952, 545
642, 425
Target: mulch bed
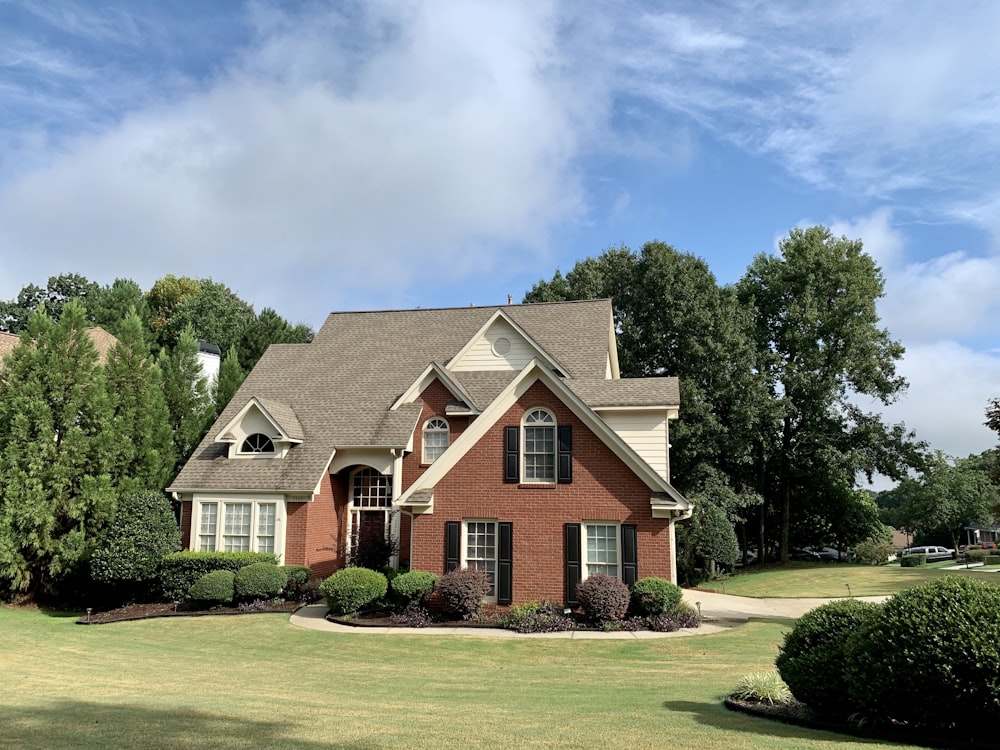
169, 609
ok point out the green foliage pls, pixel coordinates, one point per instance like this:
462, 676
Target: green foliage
350, 589
109, 306
654, 596
129, 554
872, 552
763, 687
603, 598
15, 316
414, 586
189, 403
181, 569
266, 329
217, 587
708, 538
231, 377
912, 561
976, 555
462, 591
993, 559
811, 659
931, 657
537, 617
262, 580
57, 449
296, 577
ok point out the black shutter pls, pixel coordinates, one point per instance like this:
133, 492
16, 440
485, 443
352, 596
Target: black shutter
511, 448
630, 554
571, 543
505, 560
452, 545
565, 453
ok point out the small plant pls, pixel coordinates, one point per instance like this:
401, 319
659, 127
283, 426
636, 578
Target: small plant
349, 589
297, 577
537, 617
462, 591
214, 588
912, 561
763, 687
412, 616
257, 605
681, 616
603, 598
414, 586
260, 581
309, 593
654, 596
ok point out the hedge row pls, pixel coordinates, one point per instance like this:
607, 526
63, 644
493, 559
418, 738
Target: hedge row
179, 571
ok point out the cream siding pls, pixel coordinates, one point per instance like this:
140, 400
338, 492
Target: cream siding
645, 432
485, 355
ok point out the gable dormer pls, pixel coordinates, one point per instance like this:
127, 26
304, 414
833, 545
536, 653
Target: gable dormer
501, 344
263, 428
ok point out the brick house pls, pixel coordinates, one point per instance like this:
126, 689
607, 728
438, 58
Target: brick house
500, 438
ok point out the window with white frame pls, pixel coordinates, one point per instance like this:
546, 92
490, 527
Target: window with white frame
481, 551
257, 443
602, 551
237, 526
539, 447
435, 439
370, 506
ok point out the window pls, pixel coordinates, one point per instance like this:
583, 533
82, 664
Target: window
371, 503
435, 439
539, 446
601, 552
481, 551
244, 526
257, 443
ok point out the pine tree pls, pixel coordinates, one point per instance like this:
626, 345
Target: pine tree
189, 401
56, 494
231, 377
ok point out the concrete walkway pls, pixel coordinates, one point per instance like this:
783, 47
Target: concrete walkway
720, 612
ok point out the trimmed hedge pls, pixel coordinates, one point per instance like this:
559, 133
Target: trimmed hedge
993, 559
260, 581
349, 589
179, 571
976, 555
297, 576
811, 659
414, 586
912, 561
462, 591
604, 598
931, 657
654, 596
214, 588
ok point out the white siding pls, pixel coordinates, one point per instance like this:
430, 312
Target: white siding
645, 432
483, 354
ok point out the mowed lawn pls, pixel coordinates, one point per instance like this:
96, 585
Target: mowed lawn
835, 579
256, 681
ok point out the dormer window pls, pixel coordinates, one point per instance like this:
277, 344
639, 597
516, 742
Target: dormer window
435, 439
257, 443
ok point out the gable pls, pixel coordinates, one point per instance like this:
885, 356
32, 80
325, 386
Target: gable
500, 345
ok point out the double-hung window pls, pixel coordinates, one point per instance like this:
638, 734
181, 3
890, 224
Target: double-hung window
539, 446
602, 551
481, 551
435, 439
237, 526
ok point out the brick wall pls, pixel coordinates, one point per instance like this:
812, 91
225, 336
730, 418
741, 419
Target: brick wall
603, 489
313, 533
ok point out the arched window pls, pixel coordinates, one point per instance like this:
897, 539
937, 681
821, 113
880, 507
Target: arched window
539, 446
371, 503
257, 443
435, 439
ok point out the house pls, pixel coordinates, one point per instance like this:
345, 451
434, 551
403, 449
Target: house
500, 438
103, 341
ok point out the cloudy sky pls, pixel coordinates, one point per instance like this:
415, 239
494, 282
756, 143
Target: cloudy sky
393, 153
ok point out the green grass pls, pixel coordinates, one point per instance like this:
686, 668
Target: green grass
257, 681
832, 579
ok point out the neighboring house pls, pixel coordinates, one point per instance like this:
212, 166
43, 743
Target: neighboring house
103, 341
499, 438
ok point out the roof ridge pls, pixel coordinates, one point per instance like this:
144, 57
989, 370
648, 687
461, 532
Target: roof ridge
470, 307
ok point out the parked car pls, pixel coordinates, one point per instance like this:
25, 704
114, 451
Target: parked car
829, 554
933, 553
805, 554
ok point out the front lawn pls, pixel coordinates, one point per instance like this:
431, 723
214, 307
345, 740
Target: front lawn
257, 681
825, 580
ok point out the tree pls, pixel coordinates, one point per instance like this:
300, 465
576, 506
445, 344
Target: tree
109, 306
231, 377
57, 452
993, 422
211, 309
145, 459
189, 402
818, 343
14, 315
266, 329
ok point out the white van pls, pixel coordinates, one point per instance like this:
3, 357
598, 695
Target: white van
933, 553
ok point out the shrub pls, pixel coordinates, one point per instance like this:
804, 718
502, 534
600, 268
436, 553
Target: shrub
537, 617
296, 577
309, 593
681, 616
414, 586
931, 656
129, 554
763, 687
180, 570
462, 591
214, 588
811, 659
993, 559
912, 561
349, 589
260, 581
872, 552
412, 616
603, 598
257, 605
976, 555
654, 596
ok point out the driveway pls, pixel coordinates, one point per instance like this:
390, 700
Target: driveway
728, 607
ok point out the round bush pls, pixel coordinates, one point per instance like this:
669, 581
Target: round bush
414, 586
462, 591
349, 589
260, 581
811, 659
654, 596
931, 656
215, 587
297, 577
603, 598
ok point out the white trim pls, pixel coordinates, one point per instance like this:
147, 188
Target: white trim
501, 315
615, 372
523, 443
446, 431
255, 499
282, 436
584, 562
464, 551
431, 373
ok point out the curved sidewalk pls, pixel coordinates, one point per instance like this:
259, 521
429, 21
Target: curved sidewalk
721, 612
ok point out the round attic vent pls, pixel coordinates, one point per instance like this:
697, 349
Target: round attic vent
501, 347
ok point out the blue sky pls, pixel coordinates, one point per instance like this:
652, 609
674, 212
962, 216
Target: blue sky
363, 155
